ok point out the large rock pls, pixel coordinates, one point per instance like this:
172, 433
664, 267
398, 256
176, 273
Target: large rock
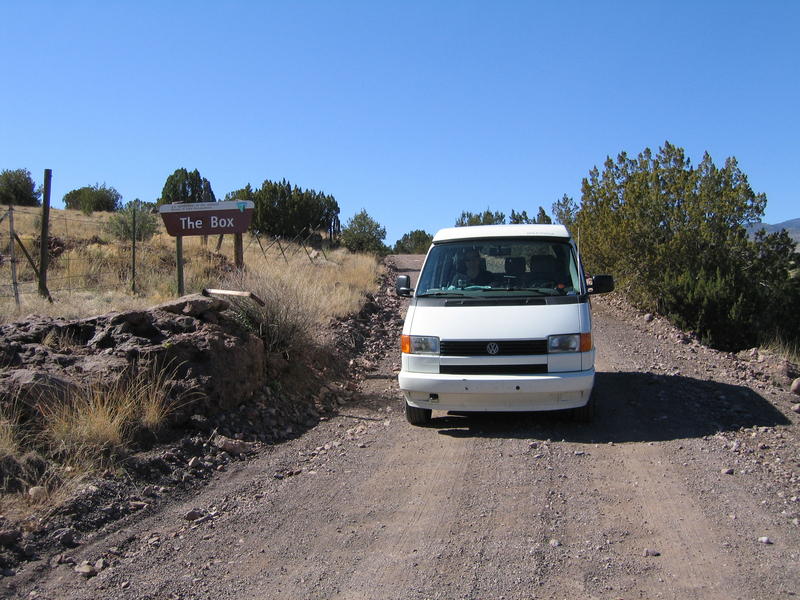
213, 362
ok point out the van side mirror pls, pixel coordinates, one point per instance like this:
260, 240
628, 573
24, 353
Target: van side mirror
601, 284
402, 287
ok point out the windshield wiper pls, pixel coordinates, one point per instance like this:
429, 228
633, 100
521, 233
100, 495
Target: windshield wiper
427, 294
516, 289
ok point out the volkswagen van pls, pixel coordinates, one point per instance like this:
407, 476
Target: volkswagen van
499, 320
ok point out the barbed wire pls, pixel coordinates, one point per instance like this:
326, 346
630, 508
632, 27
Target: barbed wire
60, 217
68, 270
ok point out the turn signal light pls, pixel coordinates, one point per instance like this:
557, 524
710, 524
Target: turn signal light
586, 342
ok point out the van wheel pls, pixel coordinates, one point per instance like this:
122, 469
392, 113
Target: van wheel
418, 416
584, 414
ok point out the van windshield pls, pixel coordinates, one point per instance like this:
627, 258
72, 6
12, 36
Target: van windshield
501, 267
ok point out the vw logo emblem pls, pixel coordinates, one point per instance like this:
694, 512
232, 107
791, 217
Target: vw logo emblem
492, 348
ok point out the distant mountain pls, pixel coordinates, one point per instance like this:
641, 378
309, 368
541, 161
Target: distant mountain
792, 227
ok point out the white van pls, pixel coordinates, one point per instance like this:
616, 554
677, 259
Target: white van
499, 321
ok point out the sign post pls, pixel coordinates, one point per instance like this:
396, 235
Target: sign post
207, 218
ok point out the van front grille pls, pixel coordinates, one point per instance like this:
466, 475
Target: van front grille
493, 369
481, 348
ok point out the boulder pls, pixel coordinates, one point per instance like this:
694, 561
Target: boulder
212, 364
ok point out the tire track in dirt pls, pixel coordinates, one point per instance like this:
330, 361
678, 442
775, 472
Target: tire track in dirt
657, 505
419, 486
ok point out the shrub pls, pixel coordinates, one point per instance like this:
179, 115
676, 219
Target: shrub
121, 224
364, 234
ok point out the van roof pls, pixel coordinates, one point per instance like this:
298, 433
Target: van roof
476, 232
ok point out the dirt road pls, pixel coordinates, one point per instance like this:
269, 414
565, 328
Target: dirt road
685, 486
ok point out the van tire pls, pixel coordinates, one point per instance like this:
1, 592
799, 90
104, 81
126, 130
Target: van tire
418, 416
584, 414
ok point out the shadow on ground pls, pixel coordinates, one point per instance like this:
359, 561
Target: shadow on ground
631, 407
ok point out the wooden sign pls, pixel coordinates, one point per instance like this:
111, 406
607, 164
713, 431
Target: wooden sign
207, 218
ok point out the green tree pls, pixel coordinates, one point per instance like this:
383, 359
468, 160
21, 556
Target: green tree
18, 188
287, 211
519, 218
523, 218
415, 242
543, 218
147, 222
487, 217
363, 234
183, 186
675, 237
564, 211
93, 198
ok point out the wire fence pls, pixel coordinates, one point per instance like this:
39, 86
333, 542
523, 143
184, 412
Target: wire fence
83, 256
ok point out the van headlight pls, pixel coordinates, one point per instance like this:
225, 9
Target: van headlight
419, 344
563, 343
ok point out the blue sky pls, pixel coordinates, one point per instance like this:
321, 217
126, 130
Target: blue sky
413, 111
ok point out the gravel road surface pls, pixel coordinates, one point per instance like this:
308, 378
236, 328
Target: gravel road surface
685, 486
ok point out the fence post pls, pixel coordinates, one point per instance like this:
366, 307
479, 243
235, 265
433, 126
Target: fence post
238, 251
133, 249
13, 259
179, 253
45, 237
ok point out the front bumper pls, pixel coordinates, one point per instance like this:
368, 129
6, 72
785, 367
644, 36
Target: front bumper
553, 391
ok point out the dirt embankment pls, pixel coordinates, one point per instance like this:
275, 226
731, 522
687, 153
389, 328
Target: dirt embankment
685, 486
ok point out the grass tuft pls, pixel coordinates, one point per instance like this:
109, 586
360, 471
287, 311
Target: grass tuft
780, 347
301, 296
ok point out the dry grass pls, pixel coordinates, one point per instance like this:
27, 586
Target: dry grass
91, 273
9, 428
96, 426
89, 431
299, 299
780, 347
70, 436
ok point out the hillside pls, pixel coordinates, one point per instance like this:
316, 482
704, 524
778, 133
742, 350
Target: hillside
792, 227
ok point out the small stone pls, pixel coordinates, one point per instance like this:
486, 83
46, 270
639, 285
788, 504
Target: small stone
86, 570
37, 493
796, 386
232, 446
765, 540
727, 471
195, 463
648, 317
9, 536
796, 408
555, 543
138, 505
64, 536
192, 515
651, 552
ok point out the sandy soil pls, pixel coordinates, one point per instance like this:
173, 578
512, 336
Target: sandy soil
685, 486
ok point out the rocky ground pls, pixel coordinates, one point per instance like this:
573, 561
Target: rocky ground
685, 486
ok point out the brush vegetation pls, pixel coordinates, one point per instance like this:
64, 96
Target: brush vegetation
52, 441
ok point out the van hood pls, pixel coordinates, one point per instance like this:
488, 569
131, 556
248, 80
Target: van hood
463, 322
